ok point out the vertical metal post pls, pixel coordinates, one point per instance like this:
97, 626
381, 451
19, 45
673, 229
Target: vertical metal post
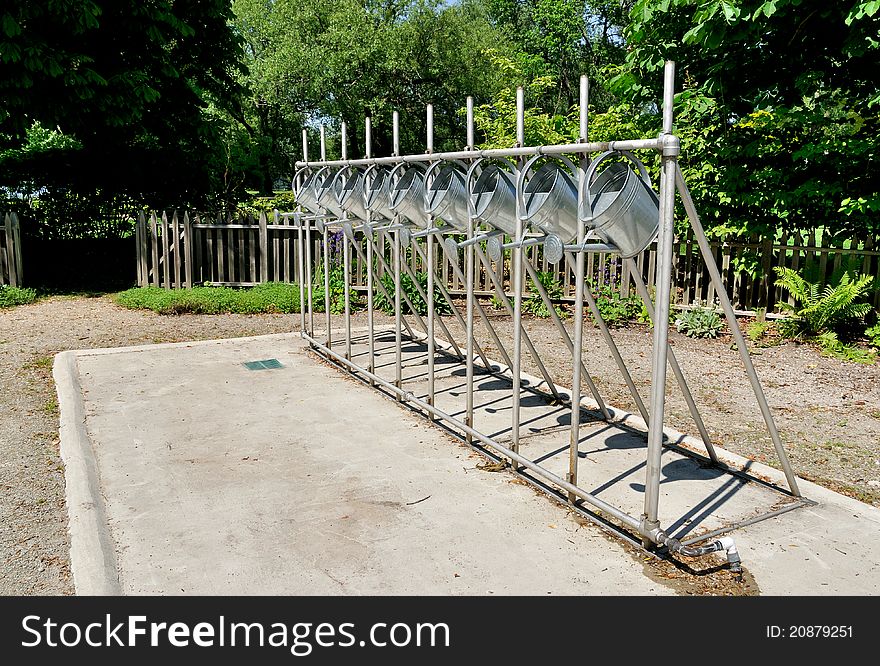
469, 283
346, 257
309, 242
297, 221
368, 234
516, 260
578, 333
327, 287
398, 343
649, 519
300, 270
429, 296
323, 145
730, 315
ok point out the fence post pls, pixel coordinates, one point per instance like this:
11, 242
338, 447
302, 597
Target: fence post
10, 251
187, 250
140, 238
154, 247
166, 260
16, 239
175, 238
264, 247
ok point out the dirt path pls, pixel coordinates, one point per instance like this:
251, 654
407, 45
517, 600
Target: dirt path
828, 412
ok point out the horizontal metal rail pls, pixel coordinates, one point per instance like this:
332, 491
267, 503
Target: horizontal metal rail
523, 151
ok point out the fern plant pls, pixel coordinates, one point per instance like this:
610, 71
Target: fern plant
832, 309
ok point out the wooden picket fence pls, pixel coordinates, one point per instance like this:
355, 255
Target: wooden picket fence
180, 251
10, 251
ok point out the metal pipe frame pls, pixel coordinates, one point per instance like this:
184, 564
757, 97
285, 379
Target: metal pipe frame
647, 526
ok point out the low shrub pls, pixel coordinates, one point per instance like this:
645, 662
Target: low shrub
535, 305
699, 322
270, 297
12, 296
615, 310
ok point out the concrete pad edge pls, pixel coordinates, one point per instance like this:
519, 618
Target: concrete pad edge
92, 551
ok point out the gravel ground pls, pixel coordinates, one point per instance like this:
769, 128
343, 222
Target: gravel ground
828, 412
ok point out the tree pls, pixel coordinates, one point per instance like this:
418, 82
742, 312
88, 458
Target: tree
782, 103
131, 84
312, 61
564, 39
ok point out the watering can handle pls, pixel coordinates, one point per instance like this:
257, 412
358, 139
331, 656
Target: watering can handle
304, 171
643, 172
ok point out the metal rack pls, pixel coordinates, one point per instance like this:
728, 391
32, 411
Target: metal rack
480, 203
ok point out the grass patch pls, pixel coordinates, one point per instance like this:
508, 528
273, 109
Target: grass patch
272, 297
12, 296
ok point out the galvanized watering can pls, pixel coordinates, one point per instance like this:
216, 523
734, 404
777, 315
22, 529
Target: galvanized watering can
625, 210
327, 190
304, 189
446, 198
349, 192
494, 198
408, 196
551, 202
377, 191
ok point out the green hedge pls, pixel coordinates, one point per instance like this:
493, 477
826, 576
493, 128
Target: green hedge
270, 297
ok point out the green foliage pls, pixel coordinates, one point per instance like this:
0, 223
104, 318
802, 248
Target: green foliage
534, 305
380, 302
873, 335
615, 310
788, 136
498, 304
107, 99
336, 282
283, 201
832, 346
699, 322
834, 309
346, 59
563, 39
757, 330
269, 297
12, 296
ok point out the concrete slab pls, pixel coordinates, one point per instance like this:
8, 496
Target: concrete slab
211, 478
214, 479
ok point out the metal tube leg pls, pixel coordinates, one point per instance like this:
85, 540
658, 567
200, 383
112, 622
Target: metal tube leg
743, 350
371, 363
300, 271
479, 308
309, 268
545, 297
673, 363
327, 287
516, 369
609, 340
469, 325
577, 355
346, 267
650, 520
398, 370
429, 241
